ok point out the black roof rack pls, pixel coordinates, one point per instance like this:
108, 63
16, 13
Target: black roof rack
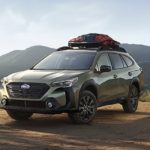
118, 49
84, 44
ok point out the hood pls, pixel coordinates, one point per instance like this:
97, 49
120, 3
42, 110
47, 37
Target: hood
43, 75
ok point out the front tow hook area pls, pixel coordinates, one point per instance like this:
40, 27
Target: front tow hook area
52, 104
49, 105
4, 102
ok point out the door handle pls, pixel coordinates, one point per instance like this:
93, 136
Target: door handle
115, 76
130, 73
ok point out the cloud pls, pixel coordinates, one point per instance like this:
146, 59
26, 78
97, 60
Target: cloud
53, 28
52, 23
11, 21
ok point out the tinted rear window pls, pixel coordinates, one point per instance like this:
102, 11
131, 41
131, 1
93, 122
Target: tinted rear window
116, 61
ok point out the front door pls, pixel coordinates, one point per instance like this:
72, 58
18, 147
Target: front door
105, 80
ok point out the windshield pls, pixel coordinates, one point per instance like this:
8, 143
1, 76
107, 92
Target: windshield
67, 60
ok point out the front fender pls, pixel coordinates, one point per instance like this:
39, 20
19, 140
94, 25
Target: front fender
90, 83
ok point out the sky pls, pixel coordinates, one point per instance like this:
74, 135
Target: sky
25, 23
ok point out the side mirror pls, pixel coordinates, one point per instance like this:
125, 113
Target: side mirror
105, 68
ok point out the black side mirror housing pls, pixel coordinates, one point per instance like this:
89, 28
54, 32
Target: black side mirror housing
105, 68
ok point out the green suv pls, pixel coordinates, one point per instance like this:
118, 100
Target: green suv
75, 81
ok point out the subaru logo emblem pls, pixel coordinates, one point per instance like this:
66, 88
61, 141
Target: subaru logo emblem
25, 86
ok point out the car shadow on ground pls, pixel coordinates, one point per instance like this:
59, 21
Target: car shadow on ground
110, 128
108, 117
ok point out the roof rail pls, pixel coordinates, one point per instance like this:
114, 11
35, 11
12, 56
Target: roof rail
118, 49
64, 48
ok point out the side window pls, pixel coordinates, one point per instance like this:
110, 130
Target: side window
128, 61
124, 63
116, 61
103, 60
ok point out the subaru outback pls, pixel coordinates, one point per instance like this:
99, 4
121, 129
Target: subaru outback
74, 81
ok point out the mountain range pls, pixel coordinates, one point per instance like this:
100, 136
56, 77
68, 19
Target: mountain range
19, 60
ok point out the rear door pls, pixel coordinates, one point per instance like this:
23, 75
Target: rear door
120, 74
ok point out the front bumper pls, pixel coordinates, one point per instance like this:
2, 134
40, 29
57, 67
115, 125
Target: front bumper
41, 106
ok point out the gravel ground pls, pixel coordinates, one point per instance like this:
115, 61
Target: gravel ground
111, 129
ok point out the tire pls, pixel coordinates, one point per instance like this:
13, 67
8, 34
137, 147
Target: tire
19, 115
131, 104
87, 108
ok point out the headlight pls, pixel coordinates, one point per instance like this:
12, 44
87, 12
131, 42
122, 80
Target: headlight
65, 83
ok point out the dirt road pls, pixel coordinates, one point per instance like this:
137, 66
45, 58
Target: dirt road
112, 129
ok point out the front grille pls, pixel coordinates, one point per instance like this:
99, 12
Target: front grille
27, 104
33, 91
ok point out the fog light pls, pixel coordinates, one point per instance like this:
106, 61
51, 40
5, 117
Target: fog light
49, 104
3, 102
